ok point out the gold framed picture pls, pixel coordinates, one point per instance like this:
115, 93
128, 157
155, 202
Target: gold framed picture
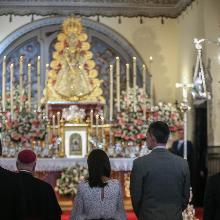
75, 140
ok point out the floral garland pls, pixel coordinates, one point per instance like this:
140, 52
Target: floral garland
26, 126
70, 177
133, 122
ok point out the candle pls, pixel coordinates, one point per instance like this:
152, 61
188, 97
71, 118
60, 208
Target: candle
111, 94
29, 86
46, 81
21, 60
91, 120
127, 77
53, 124
58, 123
97, 124
118, 82
38, 81
134, 83
46, 75
134, 72
144, 78
12, 89
3, 83
103, 131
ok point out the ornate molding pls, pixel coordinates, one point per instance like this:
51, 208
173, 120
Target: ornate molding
109, 8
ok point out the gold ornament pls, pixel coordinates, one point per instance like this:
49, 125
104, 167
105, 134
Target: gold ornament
73, 75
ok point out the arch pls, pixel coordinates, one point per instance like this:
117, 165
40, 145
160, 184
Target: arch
97, 32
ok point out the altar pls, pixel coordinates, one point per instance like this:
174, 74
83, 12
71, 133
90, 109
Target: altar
58, 164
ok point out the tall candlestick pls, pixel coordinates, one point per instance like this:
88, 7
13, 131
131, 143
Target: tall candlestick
53, 124
58, 123
97, 124
103, 131
21, 61
3, 83
29, 86
46, 81
38, 81
12, 89
127, 77
118, 82
111, 94
134, 72
144, 78
46, 74
91, 120
134, 83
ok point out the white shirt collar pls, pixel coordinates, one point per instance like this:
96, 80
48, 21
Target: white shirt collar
160, 147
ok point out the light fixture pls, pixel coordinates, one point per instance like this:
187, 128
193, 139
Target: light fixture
10, 18
119, 19
141, 20
98, 18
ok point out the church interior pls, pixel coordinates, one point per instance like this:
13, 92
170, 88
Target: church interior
79, 75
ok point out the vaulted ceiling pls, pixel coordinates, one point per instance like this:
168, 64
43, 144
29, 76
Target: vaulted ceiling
109, 8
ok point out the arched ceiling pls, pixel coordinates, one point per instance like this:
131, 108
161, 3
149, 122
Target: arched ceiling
109, 8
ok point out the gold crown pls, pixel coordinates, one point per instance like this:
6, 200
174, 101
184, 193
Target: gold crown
72, 25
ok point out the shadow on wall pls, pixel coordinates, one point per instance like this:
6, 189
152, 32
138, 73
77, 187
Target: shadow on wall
148, 41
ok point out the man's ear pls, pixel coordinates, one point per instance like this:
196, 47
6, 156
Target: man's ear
17, 165
34, 166
153, 139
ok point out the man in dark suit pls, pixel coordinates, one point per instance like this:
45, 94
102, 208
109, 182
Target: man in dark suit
38, 198
178, 149
212, 198
9, 195
160, 184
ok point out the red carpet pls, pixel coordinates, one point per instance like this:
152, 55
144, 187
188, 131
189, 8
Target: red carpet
131, 215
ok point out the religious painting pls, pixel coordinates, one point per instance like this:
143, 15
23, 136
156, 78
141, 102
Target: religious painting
75, 144
75, 140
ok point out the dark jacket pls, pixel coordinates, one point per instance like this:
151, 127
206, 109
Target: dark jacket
179, 152
38, 199
160, 186
9, 196
212, 198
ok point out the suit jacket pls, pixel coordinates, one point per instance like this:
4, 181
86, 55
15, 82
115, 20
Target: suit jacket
38, 199
160, 186
212, 198
180, 151
9, 196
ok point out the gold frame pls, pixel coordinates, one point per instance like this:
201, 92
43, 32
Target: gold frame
76, 128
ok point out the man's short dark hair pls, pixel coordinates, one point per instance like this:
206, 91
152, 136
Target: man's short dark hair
160, 131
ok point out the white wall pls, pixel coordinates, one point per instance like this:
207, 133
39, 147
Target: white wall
190, 26
212, 32
17, 22
149, 39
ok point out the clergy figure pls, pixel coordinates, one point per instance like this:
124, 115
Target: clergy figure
38, 200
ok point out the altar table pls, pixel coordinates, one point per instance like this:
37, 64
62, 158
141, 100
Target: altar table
58, 164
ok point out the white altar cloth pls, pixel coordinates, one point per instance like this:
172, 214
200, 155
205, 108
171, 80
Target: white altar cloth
58, 164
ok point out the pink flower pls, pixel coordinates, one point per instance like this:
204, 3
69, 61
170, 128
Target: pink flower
126, 138
140, 136
117, 133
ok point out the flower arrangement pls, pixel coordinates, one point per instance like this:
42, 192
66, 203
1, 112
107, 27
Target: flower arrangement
70, 177
26, 126
132, 122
